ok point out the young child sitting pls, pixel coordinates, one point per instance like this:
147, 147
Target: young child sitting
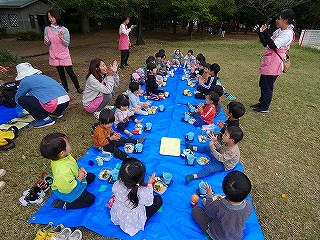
176, 57
69, 182
224, 157
189, 59
134, 100
205, 113
225, 218
152, 83
235, 110
106, 138
123, 114
161, 68
134, 201
206, 85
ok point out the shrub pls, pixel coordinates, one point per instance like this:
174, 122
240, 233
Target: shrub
6, 57
28, 36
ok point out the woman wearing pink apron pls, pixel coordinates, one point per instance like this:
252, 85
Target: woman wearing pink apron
271, 64
57, 38
124, 41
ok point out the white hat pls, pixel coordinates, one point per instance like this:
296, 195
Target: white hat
25, 70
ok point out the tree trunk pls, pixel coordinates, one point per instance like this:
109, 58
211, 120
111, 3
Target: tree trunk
140, 41
85, 24
190, 30
174, 24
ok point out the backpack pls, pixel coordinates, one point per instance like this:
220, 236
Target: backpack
8, 93
6, 137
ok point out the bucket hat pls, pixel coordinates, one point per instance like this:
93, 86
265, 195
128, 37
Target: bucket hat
25, 70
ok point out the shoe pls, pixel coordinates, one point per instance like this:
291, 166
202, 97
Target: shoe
189, 178
59, 204
36, 190
141, 140
55, 116
30, 198
43, 185
140, 121
2, 185
127, 65
63, 235
76, 235
2, 172
55, 231
255, 105
126, 93
43, 123
260, 110
48, 177
121, 67
80, 90
110, 107
96, 115
43, 232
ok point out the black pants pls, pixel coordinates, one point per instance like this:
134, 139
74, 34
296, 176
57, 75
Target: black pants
123, 125
113, 147
151, 210
71, 74
124, 57
266, 84
33, 106
85, 199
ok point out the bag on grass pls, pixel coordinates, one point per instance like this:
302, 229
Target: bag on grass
6, 138
8, 93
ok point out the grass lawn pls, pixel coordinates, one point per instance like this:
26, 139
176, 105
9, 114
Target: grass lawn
280, 150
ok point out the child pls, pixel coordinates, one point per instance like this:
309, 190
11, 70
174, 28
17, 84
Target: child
123, 114
235, 110
224, 157
106, 138
205, 113
176, 57
151, 83
134, 201
207, 85
69, 182
134, 100
225, 218
189, 59
159, 63
197, 71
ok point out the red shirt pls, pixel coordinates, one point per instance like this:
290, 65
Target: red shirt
208, 114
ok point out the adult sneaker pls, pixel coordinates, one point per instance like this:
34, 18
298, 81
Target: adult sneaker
260, 110
43, 123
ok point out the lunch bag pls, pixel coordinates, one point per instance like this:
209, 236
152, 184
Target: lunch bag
8, 93
6, 138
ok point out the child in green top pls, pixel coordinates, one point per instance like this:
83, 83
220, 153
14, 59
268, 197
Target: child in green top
69, 181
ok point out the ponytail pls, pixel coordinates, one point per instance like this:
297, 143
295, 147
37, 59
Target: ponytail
133, 196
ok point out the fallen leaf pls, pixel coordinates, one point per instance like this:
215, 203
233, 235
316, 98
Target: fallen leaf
23, 157
283, 195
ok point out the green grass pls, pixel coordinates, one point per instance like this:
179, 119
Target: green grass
280, 150
7, 57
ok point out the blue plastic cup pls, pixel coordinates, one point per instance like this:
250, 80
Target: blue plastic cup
192, 109
186, 117
115, 173
202, 190
167, 177
148, 126
190, 159
139, 147
161, 107
190, 136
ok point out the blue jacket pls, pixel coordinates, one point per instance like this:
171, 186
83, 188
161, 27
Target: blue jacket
42, 87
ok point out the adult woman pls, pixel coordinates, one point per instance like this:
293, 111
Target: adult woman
57, 37
99, 86
124, 41
272, 65
40, 95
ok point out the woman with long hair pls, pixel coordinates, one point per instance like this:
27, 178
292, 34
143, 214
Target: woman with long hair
124, 41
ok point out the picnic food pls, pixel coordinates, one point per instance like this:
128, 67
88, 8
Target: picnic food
217, 197
159, 186
128, 148
104, 174
202, 138
192, 120
203, 160
187, 151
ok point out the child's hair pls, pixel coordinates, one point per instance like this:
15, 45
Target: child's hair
215, 68
214, 97
151, 66
207, 65
132, 174
218, 89
106, 116
177, 50
159, 54
94, 68
235, 133
202, 63
162, 51
57, 16
52, 145
150, 59
200, 57
236, 186
190, 51
237, 109
122, 101
134, 86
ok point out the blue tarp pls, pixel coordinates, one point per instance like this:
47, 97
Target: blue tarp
174, 221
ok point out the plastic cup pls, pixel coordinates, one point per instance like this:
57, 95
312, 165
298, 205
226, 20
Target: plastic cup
165, 79
190, 136
190, 159
149, 125
161, 107
192, 109
115, 173
186, 117
167, 177
164, 84
166, 94
182, 78
139, 147
201, 187
99, 161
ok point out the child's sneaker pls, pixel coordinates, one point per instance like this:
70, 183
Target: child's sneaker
76, 235
43, 232
96, 115
43, 184
47, 177
2, 185
30, 198
36, 190
2, 172
55, 231
63, 235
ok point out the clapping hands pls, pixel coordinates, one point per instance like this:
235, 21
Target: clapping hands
263, 27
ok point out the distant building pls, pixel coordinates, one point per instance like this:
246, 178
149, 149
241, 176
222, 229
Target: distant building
23, 15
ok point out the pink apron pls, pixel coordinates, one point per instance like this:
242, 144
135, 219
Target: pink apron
59, 53
124, 41
271, 64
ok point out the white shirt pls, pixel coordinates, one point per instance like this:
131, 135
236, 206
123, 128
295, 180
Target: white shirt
283, 38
